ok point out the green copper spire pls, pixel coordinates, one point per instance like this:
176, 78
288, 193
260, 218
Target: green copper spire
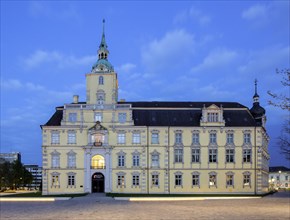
103, 41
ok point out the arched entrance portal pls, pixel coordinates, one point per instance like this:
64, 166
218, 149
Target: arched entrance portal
98, 182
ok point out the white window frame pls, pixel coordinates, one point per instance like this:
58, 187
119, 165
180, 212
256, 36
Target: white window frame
55, 137
247, 138
101, 80
71, 159
178, 180
178, 155
98, 116
155, 138
136, 160
121, 160
230, 155
195, 155
229, 179
195, 138
212, 138
136, 138
195, 179
135, 179
212, 117
72, 117
71, 137
230, 138
122, 117
155, 160
247, 155
212, 179
121, 138
178, 138
155, 179
212, 155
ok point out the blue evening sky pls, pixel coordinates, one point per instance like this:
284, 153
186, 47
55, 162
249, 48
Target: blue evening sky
162, 50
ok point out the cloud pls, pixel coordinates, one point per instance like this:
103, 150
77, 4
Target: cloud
255, 12
216, 58
127, 67
40, 57
192, 14
172, 49
15, 84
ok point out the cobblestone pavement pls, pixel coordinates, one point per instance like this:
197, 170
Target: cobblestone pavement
96, 206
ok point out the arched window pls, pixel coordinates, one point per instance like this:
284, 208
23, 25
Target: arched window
98, 162
101, 80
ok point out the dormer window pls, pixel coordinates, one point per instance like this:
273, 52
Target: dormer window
212, 117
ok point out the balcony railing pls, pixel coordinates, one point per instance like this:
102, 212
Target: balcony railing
98, 167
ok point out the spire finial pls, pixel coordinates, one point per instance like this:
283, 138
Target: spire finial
256, 86
103, 25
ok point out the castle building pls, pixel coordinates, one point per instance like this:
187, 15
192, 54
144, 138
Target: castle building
106, 145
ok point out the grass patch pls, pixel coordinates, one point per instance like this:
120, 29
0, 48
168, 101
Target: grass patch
179, 195
38, 194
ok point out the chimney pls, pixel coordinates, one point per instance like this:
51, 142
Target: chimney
75, 99
122, 100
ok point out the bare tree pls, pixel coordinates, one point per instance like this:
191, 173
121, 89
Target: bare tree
283, 101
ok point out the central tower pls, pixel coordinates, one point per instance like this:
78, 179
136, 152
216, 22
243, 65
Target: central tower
102, 81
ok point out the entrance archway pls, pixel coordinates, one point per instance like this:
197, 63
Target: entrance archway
98, 182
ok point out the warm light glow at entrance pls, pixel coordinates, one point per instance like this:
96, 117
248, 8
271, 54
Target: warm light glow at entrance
98, 162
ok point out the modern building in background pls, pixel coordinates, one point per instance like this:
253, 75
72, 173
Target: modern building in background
279, 177
106, 145
10, 157
36, 172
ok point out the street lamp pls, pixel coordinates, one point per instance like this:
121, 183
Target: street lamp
279, 179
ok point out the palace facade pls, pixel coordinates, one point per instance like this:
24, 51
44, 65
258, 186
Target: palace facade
106, 145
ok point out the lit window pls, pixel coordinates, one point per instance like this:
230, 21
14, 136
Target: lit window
212, 138
121, 180
98, 116
212, 180
247, 180
178, 155
195, 138
72, 117
122, 117
155, 180
195, 155
178, 138
98, 162
136, 138
121, 138
247, 154
230, 180
230, 138
55, 180
212, 155
230, 155
154, 138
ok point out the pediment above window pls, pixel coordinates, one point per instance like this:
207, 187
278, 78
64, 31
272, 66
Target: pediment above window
212, 116
97, 127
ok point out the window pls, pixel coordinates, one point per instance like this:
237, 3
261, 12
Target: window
230, 155
98, 116
155, 160
71, 160
55, 138
121, 180
247, 179
72, 117
178, 155
178, 180
286, 185
278, 178
195, 155
136, 138
98, 162
212, 138
247, 138
212, 117
121, 138
71, 180
122, 117
121, 160
154, 138
195, 138
286, 178
55, 179
136, 160
212, 179
55, 160
178, 138
101, 80
230, 180
212, 156
135, 180
155, 180
195, 180
247, 155
230, 138
71, 137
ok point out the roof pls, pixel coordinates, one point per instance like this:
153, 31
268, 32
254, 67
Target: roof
278, 168
55, 119
182, 114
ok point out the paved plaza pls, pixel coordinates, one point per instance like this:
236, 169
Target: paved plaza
96, 206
